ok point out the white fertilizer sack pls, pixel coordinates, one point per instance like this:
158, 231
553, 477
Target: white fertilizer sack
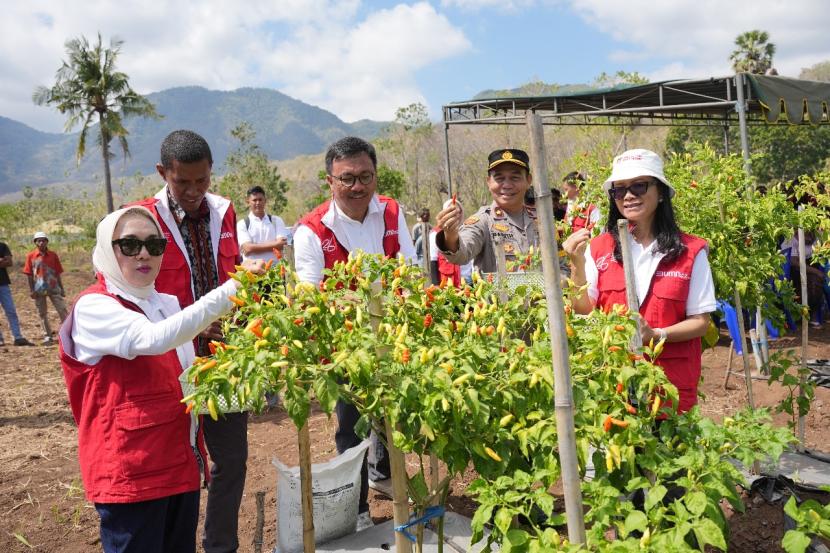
335, 487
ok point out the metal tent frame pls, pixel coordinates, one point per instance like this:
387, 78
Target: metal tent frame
711, 101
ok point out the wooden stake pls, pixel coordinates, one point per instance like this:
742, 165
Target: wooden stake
397, 464
563, 389
631, 296
260, 521
400, 497
805, 328
305, 489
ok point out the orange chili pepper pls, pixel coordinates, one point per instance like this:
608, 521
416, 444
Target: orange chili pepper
237, 301
268, 264
277, 253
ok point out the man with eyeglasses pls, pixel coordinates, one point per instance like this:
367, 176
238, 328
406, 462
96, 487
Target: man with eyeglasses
506, 220
202, 249
355, 218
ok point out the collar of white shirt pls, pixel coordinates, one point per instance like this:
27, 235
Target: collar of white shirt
335, 212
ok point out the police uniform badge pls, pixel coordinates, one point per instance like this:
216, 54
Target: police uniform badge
508, 248
501, 227
498, 212
471, 220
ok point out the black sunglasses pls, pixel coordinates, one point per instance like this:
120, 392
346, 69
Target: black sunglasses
132, 246
637, 188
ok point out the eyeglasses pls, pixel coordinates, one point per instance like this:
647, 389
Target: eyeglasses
350, 180
637, 188
132, 246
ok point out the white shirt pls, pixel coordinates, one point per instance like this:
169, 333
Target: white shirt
353, 235
701, 286
466, 269
102, 326
259, 230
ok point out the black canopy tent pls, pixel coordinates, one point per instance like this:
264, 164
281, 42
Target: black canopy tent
743, 98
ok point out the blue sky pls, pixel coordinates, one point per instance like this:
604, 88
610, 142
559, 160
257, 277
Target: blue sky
363, 59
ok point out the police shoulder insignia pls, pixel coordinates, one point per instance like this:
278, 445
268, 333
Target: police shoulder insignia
501, 227
471, 220
498, 212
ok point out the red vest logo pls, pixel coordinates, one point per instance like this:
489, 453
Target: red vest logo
391, 232
226, 234
673, 274
602, 262
328, 245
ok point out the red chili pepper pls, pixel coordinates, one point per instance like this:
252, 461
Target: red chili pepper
630, 408
212, 348
454, 198
277, 253
405, 356
428, 320
298, 321
268, 264
619, 387
257, 297
614, 349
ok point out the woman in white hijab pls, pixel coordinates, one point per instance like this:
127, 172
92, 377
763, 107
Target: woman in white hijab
122, 351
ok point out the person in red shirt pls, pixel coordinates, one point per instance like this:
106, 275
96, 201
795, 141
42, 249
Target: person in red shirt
43, 269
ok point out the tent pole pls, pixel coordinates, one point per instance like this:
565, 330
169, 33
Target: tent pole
563, 400
740, 107
447, 154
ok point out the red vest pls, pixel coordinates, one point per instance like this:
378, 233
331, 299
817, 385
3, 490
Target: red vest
446, 269
133, 432
582, 218
664, 306
333, 250
175, 278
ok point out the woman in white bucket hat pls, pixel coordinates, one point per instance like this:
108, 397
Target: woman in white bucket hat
674, 281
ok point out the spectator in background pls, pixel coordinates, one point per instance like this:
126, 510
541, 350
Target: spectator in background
423, 217
260, 233
6, 299
579, 214
43, 269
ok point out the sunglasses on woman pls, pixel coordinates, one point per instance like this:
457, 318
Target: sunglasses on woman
638, 189
132, 246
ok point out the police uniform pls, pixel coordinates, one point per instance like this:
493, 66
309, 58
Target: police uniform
480, 232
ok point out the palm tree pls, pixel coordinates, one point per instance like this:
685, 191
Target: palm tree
88, 84
754, 53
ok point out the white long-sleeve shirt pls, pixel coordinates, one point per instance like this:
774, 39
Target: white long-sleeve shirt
102, 326
366, 235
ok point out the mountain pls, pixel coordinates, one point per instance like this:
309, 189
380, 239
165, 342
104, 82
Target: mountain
285, 128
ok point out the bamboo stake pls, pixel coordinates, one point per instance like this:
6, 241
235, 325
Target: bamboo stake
631, 296
563, 399
397, 465
425, 250
305, 489
260, 521
805, 330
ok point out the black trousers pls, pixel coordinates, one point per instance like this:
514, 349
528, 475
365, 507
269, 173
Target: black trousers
375, 466
227, 444
164, 525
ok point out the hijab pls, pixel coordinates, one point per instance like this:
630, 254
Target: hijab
103, 256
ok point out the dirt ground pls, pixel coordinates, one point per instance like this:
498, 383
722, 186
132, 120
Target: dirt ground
42, 505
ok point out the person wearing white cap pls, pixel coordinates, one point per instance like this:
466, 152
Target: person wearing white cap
43, 269
673, 278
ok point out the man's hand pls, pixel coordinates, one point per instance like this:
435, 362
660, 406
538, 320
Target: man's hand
256, 266
449, 220
280, 242
213, 332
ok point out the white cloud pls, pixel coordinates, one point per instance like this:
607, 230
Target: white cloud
696, 37
510, 5
325, 52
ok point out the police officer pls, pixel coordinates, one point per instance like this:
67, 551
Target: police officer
507, 219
